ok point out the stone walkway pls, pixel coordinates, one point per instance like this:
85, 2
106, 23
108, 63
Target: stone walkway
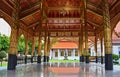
60, 70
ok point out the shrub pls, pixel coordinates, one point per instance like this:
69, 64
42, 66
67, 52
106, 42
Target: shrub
115, 57
2, 55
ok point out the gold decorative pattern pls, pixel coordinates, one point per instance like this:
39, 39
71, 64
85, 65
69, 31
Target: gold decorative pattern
39, 45
33, 46
107, 28
26, 46
13, 42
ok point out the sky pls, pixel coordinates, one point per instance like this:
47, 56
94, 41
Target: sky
4, 27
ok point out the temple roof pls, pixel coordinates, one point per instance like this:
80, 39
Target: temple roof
63, 16
65, 45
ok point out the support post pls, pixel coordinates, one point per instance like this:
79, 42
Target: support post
26, 50
107, 37
33, 49
12, 57
95, 47
48, 48
101, 45
45, 48
86, 32
13, 50
81, 45
39, 41
39, 49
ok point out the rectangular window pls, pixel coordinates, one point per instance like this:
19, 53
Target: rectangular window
62, 52
69, 52
56, 54
76, 52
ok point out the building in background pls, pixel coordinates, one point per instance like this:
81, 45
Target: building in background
115, 43
64, 50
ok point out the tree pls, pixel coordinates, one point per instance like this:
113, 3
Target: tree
2, 55
29, 47
4, 42
21, 44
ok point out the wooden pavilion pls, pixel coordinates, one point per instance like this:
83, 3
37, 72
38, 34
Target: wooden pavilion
78, 20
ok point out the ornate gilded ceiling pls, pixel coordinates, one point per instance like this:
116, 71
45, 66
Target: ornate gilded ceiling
63, 17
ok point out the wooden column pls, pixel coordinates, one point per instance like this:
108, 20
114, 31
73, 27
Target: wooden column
26, 49
86, 32
81, 44
39, 49
39, 40
45, 48
13, 50
86, 45
107, 37
48, 48
101, 46
12, 57
33, 49
95, 48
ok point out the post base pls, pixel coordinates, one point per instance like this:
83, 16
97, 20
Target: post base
45, 59
32, 59
96, 59
87, 59
12, 61
82, 58
101, 59
39, 59
108, 62
25, 59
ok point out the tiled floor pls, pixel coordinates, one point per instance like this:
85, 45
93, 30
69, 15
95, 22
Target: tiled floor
61, 70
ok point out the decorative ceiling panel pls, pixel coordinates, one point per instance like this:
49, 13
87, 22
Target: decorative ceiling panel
61, 14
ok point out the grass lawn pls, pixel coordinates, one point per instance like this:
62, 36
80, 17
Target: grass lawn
3, 64
64, 61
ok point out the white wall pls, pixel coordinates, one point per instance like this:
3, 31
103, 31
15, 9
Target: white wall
73, 57
115, 49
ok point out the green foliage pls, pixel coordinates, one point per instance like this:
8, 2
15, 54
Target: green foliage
29, 47
4, 42
115, 57
2, 54
21, 44
36, 45
42, 48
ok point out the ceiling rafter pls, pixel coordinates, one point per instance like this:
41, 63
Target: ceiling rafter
27, 14
95, 5
8, 4
33, 24
96, 13
25, 28
92, 23
31, 6
114, 3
